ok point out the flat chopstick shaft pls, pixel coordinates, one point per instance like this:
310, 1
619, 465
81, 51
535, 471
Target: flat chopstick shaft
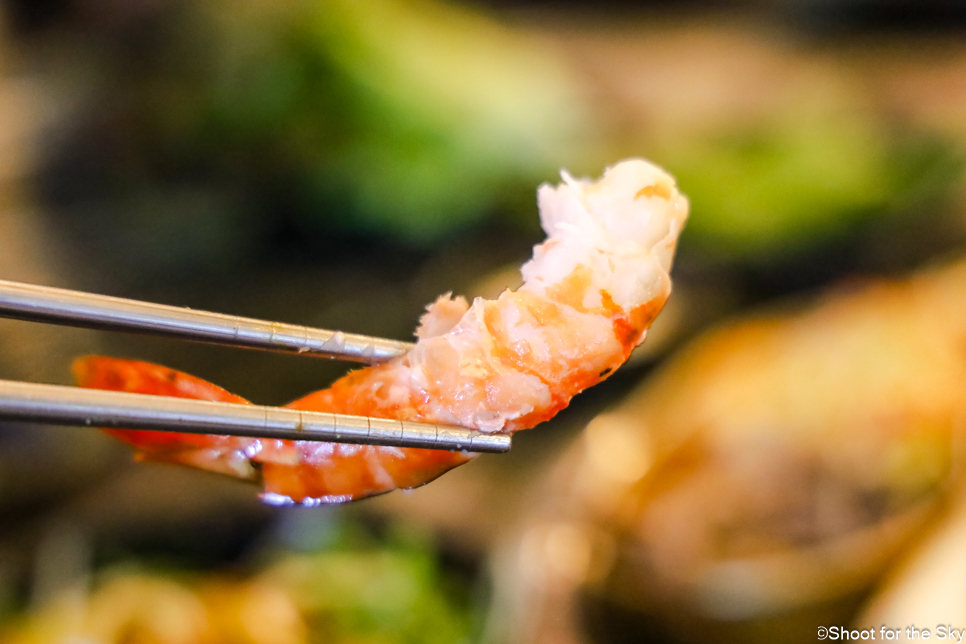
75, 308
75, 406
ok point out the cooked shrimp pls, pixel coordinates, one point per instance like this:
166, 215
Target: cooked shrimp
589, 294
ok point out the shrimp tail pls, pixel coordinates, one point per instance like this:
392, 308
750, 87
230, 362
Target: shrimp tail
327, 472
213, 453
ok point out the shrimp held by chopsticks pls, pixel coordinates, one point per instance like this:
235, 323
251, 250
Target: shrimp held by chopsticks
589, 294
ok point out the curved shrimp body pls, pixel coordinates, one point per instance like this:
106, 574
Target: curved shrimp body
589, 294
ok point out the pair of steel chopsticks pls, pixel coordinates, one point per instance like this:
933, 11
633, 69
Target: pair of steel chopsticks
76, 406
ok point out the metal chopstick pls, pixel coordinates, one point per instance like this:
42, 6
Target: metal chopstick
75, 308
75, 406
71, 405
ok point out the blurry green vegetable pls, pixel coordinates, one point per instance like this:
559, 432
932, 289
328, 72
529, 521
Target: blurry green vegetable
393, 594
408, 117
802, 179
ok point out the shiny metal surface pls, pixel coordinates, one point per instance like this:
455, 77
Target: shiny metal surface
74, 308
75, 406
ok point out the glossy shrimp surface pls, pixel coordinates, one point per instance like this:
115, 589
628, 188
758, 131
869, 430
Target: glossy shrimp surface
589, 294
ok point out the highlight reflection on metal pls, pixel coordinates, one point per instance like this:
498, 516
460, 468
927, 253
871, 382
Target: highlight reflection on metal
74, 308
75, 406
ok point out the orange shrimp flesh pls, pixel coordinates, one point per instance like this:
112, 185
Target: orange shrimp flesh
589, 294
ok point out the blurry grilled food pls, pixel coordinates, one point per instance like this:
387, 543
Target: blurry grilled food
766, 476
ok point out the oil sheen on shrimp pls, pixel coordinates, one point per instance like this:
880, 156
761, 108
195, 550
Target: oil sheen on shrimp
589, 294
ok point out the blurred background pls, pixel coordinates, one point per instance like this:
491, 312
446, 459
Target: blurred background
782, 453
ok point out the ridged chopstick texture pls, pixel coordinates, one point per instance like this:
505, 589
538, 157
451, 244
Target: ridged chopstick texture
75, 308
73, 406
